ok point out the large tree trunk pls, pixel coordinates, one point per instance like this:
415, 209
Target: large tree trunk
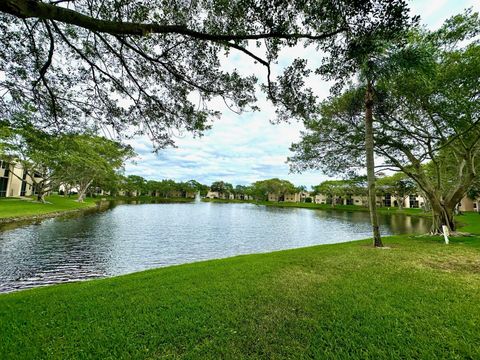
372, 201
400, 202
83, 191
40, 188
41, 197
442, 214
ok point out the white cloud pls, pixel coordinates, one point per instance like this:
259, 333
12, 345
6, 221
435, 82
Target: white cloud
245, 148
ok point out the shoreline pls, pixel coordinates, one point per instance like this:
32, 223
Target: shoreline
325, 207
223, 307
105, 204
91, 206
25, 219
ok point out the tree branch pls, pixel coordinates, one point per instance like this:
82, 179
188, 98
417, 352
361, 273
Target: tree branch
37, 9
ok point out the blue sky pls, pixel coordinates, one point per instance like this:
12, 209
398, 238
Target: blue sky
244, 148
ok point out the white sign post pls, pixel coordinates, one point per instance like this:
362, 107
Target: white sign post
445, 233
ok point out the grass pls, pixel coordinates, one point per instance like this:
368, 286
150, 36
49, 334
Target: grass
470, 222
16, 208
13, 208
418, 299
381, 210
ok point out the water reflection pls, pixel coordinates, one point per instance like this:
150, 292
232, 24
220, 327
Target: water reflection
126, 238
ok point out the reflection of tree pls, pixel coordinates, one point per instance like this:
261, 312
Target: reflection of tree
397, 223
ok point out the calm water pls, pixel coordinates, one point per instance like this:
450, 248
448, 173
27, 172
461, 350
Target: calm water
129, 238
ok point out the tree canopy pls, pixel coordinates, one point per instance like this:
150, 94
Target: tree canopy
74, 160
153, 67
426, 112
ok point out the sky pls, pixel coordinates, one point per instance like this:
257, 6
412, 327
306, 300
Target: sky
244, 148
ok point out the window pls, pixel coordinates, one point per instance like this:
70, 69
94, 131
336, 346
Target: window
413, 201
3, 186
24, 184
388, 200
349, 199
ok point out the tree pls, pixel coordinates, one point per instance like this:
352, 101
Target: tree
276, 186
474, 191
201, 188
88, 159
113, 65
399, 185
189, 187
333, 189
363, 55
241, 191
222, 187
135, 184
426, 112
37, 153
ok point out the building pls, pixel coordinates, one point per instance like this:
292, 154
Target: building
14, 182
289, 197
349, 199
467, 204
219, 195
243, 197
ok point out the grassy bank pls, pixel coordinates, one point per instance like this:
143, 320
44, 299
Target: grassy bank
22, 208
381, 210
418, 299
14, 208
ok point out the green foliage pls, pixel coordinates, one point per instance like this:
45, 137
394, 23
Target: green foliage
261, 189
90, 159
222, 187
335, 189
398, 185
74, 65
426, 110
75, 160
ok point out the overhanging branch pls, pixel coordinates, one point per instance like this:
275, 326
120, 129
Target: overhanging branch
40, 10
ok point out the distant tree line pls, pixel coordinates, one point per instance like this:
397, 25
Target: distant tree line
138, 186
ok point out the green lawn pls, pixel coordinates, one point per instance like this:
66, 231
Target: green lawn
418, 299
470, 222
13, 208
16, 208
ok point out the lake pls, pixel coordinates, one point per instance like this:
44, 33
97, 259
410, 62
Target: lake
129, 238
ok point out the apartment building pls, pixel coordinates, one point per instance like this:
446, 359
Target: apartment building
14, 182
345, 200
468, 204
219, 195
289, 197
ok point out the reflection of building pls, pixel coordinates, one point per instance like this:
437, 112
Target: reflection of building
14, 181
